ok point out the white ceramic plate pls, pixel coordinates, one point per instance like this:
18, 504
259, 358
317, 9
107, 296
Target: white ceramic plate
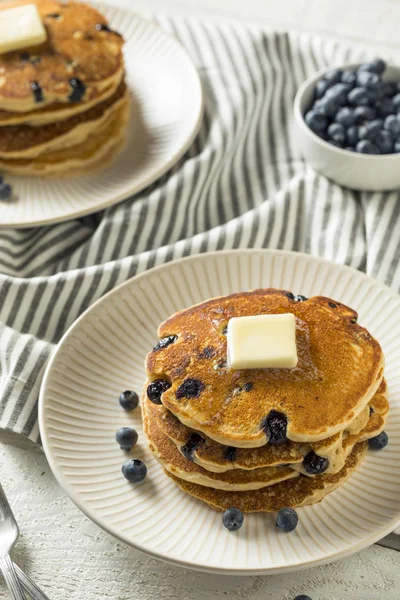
168, 108
103, 353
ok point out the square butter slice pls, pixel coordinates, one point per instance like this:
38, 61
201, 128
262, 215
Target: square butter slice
262, 341
21, 27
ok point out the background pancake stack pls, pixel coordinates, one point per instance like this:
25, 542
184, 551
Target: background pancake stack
263, 439
64, 104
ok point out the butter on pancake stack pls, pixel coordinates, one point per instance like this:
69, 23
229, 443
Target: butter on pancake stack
64, 104
263, 439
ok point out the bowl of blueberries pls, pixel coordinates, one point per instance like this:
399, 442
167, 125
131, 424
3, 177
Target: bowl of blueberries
348, 124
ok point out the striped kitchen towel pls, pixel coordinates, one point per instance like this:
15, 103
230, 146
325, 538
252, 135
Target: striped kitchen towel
241, 185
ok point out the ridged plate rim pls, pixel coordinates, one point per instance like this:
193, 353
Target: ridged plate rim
367, 540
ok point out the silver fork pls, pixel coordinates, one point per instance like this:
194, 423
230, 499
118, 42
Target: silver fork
8, 536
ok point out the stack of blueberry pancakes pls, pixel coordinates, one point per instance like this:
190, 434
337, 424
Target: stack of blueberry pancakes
64, 104
263, 439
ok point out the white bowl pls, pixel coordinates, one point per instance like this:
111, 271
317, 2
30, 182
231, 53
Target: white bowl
358, 171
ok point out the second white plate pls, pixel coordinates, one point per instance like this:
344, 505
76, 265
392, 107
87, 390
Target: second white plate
103, 353
168, 107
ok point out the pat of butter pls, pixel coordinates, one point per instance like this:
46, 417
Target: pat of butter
21, 27
261, 342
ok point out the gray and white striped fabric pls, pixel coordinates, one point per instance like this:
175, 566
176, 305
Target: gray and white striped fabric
241, 185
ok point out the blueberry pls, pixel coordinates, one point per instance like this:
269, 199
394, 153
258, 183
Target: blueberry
396, 101
336, 132
389, 89
367, 79
232, 519
397, 146
385, 107
375, 66
37, 91
376, 93
314, 464
349, 77
338, 93
78, 89
352, 135
316, 121
346, 116
321, 88
194, 442
392, 124
134, 470
156, 388
5, 191
327, 106
371, 130
231, 453
274, 425
129, 400
287, 519
364, 113
367, 147
333, 76
300, 298
126, 437
190, 388
378, 442
385, 142
358, 96
303, 597
167, 341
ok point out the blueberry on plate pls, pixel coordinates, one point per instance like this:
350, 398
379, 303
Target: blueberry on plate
129, 400
352, 135
379, 442
5, 191
303, 597
385, 142
327, 106
349, 77
134, 470
333, 76
232, 519
375, 66
126, 437
346, 116
316, 121
321, 87
358, 96
392, 124
367, 79
364, 113
367, 147
336, 133
287, 520
338, 93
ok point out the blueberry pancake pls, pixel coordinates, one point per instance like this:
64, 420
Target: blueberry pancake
340, 367
300, 491
80, 59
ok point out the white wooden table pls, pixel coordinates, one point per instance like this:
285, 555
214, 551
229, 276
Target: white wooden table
73, 559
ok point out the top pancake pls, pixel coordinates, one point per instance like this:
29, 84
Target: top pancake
75, 49
340, 367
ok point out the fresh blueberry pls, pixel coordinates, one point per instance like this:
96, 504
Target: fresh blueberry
346, 116
287, 519
327, 106
321, 87
376, 93
371, 130
385, 107
389, 88
358, 96
333, 76
337, 133
349, 77
375, 66
367, 79
232, 519
156, 388
5, 191
392, 124
129, 400
378, 442
367, 147
134, 470
165, 342
316, 121
385, 142
338, 93
364, 113
126, 437
303, 597
300, 298
352, 135
396, 101
274, 425
314, 464
397, 146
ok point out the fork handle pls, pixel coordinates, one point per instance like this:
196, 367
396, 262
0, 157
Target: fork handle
11, 579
